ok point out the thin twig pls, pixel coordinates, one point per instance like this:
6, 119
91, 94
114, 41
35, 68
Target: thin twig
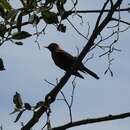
77, 29
68, 105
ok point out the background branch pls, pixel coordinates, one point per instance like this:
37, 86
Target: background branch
79, 11
93, 120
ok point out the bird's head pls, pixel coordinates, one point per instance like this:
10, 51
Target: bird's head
52, 47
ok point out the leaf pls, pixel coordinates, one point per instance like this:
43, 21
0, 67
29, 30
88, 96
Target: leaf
34, 19
19, 21
1, 65
49, 1
15, 110
3, 30
17, 100
27, 106
19, 43
32, 3
20, 35
31, 19
61, 28
18, 116
11, 14
39, 104
2, 11
65, 14
6, 5
10, 18
62, 1
50, 17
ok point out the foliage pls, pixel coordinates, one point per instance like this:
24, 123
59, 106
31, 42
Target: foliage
1, 65
35, 11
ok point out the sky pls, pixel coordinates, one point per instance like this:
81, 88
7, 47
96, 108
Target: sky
27, 67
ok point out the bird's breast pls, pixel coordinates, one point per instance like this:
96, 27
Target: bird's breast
61, 61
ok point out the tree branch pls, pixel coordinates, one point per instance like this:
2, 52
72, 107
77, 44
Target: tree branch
51, 96
93, 120
99, 11
122, 21
79, 11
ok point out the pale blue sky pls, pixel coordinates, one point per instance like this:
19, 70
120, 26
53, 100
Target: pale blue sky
27, 67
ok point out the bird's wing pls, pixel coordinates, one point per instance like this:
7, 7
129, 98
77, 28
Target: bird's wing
63, 59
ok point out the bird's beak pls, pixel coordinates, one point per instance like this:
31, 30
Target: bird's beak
45, 47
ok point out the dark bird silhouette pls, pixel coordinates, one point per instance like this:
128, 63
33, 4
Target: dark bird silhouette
64, 60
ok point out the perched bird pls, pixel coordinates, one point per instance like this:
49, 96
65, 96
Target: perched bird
64, 60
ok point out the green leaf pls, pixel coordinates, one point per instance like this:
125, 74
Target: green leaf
19, 115
6, 5
65, 14
50, 17
17, 100
27, 106
19, 21
14, 111
3, 30
1, 65
32, 3
2, 11
20, 35
19, 43
12, 14
33, 19
62, 1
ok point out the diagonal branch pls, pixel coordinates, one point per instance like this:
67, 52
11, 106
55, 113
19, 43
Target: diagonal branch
101, 14
51, 96
97, 31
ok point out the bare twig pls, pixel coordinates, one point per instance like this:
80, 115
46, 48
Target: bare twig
37, 35
77, 29
74, 3
68, 105
89, 58
122, 21
49, 82
99, 11
73, 90
88, 30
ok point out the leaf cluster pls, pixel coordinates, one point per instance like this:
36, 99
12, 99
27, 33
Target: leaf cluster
12, 22
21, 107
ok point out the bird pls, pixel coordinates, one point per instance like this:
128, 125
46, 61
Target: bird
65, 60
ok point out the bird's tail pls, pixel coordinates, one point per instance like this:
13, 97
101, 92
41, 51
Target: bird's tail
86, 70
